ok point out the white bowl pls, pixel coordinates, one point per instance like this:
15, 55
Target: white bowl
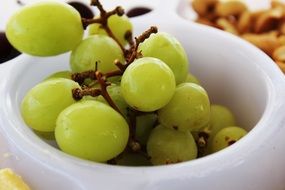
234, 73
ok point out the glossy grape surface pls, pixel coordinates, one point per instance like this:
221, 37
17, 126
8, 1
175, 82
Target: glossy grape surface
91, 130
166, 48
42, 104
147, 84
45, 29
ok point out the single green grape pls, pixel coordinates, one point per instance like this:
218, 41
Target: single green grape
167, 146
97, 48
147, 84
166, 48
91, 130
226, 137
60, 74
45, 29
42, 104
119, 25
144, 125
114, 92
132, 159
192, 79
189, 108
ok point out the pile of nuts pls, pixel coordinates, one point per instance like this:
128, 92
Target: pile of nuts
264, 28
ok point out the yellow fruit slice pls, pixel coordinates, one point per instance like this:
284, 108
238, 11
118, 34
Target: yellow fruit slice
11, 181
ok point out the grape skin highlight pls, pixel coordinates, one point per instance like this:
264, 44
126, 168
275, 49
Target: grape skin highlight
147, 84
91, 130
45, 29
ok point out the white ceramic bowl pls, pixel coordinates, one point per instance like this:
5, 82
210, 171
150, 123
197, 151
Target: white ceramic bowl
234, 73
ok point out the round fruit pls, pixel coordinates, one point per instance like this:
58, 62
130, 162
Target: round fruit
147, 84
97, 48
42, 104
45, 29
227, 137
166, 48
91, 130
189, 108
169, 146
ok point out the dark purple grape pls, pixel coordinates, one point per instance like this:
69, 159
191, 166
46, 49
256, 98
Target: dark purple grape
84, 10
7, 51
138, 11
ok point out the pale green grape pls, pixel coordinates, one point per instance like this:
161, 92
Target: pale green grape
191, 78
119, 25
189, 108
133, 159
147, 84
165, 47
60, 74
45, 29
220, 118
96, 48
115, 93
42, 104
144, 125
226, 137
91, 130
166, 146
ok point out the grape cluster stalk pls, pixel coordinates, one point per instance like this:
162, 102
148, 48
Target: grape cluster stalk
131, 53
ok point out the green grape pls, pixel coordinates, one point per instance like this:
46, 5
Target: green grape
119, 25
42, 104
165, 47
133, 159
189, 109
45, 29
97, 48
166, 146
191, 78
147, 84
144, 125
91, 130
226, 137
45, 135
60, 74
114, 92
220, 118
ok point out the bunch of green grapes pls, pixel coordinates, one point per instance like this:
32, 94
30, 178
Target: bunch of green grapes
117, 93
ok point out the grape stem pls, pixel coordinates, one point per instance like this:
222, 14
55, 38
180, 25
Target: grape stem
103, 20
78, 93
